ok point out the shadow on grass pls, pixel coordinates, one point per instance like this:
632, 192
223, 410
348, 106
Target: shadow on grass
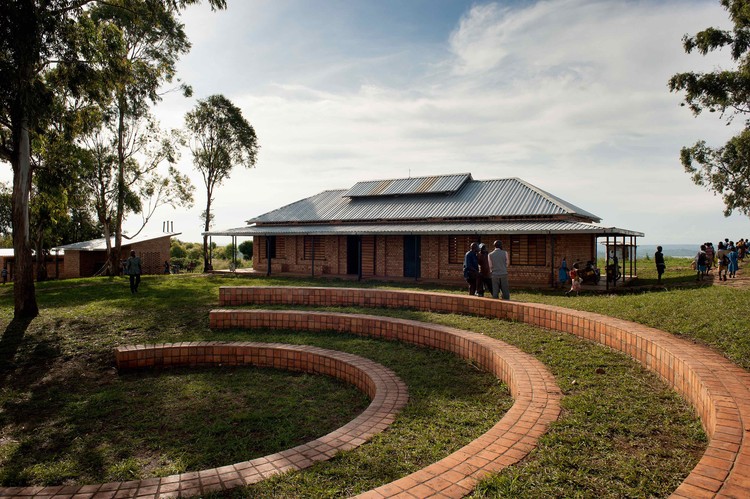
9, 344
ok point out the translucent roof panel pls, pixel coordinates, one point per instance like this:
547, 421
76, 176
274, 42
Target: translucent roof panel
419, 185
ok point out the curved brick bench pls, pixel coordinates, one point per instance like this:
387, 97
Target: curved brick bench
388, 393
717, 389
536, 395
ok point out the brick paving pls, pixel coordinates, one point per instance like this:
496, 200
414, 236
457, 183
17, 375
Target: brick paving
717, 389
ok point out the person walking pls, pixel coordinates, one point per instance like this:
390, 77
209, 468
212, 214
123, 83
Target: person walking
133, 268
575, 281
660, 265
499, 263
471, 268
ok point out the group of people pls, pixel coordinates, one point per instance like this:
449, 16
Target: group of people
726, 258
487, 271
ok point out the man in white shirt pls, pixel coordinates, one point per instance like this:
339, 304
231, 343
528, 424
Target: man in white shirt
499, 263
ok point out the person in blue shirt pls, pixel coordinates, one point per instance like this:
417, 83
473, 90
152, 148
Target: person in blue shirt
471, 268
733, 264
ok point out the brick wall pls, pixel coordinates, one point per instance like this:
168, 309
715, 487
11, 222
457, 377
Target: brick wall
383, 257
717, 389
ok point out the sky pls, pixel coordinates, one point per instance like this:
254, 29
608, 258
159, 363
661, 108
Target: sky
568, 95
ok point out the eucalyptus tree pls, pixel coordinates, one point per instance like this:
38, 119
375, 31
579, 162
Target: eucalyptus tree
220, 139
724, 170
128, 179
36, 35
140, 58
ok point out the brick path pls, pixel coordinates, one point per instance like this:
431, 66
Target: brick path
717, 389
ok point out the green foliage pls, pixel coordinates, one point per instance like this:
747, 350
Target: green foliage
220, 139
6, 222
66, 35
227, 252
177, 249
723, 170
246, 248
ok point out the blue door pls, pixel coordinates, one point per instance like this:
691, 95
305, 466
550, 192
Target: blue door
412, 256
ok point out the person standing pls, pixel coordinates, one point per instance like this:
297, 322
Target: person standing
4, 273
700, 262
471, 268
709, 256
133, 268
660, 265
733, 264
562, 274
485, 281
499, 263
723, 256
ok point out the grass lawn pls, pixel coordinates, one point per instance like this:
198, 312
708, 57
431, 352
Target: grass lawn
622, 432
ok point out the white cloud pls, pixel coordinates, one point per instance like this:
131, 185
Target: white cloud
570, 95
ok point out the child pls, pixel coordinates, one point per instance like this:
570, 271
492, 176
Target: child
575, 281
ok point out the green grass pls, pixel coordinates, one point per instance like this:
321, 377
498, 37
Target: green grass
67, 417
622, 432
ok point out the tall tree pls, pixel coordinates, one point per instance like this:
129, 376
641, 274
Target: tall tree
136, 186
221, 138
35, 35
724, 170
145, 41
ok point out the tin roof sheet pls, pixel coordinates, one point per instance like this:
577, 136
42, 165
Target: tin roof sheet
478, 199
449, 228
101, 243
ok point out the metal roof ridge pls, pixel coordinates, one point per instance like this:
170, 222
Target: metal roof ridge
568, 207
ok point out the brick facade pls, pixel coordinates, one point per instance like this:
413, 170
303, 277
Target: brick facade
383, 257
153, 253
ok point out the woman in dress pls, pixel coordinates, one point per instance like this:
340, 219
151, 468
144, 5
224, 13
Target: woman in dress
733, 265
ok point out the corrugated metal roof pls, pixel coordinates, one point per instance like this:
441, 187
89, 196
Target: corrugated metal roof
452, 228
509, 197
440, 184
101, 243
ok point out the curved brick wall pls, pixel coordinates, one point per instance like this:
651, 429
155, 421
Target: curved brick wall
717, 389
536, 395
388, 393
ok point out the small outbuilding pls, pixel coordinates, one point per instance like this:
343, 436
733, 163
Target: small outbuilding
420, 228
87, 258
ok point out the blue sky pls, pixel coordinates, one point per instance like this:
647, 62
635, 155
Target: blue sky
570, 95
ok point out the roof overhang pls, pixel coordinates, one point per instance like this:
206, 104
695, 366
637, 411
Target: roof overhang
426, 229
101, 244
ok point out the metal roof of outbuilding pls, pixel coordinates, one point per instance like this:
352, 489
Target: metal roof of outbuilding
101, 243
477, 199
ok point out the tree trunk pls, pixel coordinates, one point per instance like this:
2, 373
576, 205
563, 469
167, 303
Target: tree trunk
206, 261
111, 271
119, 214
24, 296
